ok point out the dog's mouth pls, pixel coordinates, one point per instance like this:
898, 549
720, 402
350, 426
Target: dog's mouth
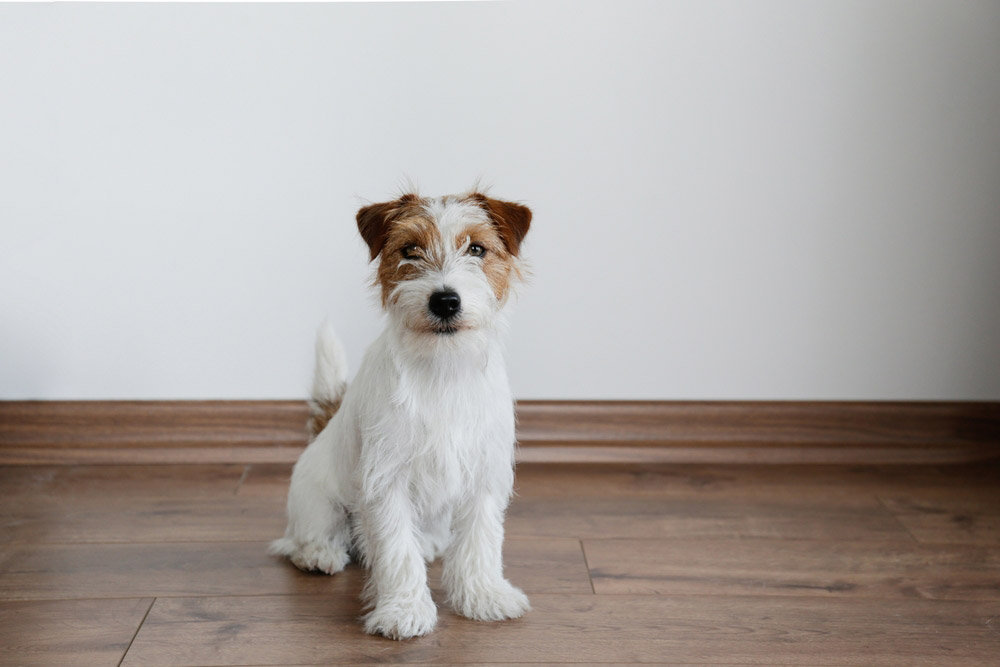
449, 327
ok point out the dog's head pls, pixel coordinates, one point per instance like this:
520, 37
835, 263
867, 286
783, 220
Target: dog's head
445, 264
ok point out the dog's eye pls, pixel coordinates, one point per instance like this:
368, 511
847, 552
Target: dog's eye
411, 251
477, 250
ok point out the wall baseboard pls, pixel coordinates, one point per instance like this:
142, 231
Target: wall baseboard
854, 432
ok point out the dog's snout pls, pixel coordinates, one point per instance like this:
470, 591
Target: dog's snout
445, 304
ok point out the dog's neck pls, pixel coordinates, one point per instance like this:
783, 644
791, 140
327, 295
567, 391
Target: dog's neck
444, 357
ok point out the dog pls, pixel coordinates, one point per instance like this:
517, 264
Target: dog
415, 460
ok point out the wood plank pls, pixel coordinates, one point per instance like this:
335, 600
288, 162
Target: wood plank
107, 424
34, 571
709, 452
570, 628
953, 528
595, 431
68, 632
29, 484
770, 423
962, 507
133, 504
677, 518
680, 502
145, 520
825, 568
576, 500
146, 455
528, 452
266, 481
166, 503
688, 502
836, 484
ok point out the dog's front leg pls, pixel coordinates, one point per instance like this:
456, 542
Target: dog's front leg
397, 577
473, 565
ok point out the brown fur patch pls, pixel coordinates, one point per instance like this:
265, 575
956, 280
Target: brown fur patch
512, 220
320, 414
375, 221
418, 231
498, 264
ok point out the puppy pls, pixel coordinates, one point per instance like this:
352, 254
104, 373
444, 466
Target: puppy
415, 459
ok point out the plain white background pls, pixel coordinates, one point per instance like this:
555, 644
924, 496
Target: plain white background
733, 200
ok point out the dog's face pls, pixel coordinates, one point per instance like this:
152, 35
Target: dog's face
445, 264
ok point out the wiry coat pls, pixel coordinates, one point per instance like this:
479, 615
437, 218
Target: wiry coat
416, 460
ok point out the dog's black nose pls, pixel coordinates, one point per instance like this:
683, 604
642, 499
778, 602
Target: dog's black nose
445, 304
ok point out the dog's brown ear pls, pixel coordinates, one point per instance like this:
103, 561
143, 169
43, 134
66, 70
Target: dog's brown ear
511, 220
375, 220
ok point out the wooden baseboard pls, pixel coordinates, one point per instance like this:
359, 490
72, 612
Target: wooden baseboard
864, 432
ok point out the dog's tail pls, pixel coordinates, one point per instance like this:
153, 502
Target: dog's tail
329, 380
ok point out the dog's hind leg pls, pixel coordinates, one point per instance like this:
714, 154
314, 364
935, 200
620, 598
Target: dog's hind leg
318, 536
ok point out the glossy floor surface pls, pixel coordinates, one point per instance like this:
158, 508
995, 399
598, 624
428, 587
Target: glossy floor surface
753, 564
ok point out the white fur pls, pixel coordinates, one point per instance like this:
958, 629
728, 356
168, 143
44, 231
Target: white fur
330, 374
418, 461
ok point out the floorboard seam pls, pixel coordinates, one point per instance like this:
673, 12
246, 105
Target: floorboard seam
896, 518
243, 478
587, 565
136, 633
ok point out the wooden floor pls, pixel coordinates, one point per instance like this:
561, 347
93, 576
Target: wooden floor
754, 564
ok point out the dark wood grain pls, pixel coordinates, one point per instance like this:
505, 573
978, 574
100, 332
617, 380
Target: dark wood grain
74, 484
132, 504
691, 564
57, 571
962, 509
961, 527
141, 454
71, 424
824, 568
699, 502
836, 485
68, 632
681, 501
692, 518
581, 628
772, 423
34, 432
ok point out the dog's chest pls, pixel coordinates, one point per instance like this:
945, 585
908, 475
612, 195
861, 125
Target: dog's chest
455, 434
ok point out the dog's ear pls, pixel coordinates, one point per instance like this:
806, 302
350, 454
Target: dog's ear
511, 220
375, 220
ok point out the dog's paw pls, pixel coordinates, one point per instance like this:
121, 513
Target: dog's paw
312, 556
492, 601
397, 618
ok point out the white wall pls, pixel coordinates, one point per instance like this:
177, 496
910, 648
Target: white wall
733, 199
